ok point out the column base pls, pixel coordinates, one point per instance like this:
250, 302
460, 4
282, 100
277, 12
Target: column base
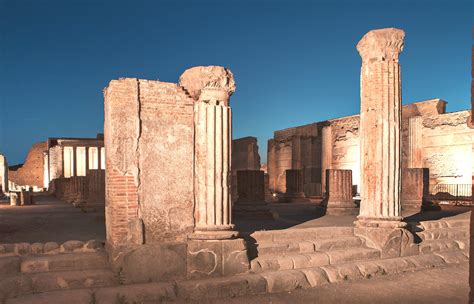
380, 222
221, 232
341, 208
257, 210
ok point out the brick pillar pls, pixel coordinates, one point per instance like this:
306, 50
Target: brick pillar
380, 118
339, 193
121, 134
212, 88
415, 187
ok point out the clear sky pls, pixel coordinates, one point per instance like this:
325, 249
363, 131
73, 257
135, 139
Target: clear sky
295, 62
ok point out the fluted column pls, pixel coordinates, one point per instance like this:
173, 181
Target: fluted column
380, 118
212, 88
339, 199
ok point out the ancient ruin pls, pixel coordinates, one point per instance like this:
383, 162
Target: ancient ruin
187, 216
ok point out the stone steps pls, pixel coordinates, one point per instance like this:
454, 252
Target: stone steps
309, 245
443, 233
23, 283
459, 223
431, 246
59, 262
317, 258
290, 235
240, 285
47, 272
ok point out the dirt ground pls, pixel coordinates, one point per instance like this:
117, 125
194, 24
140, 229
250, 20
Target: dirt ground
49, 220
53, 220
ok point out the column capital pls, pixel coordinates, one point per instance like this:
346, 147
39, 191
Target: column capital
211, 84
381, 45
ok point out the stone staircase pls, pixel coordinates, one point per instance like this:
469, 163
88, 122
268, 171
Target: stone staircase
445, 235
38, 273
280, 261
308, 247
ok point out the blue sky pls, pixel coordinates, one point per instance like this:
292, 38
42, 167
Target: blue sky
295, 62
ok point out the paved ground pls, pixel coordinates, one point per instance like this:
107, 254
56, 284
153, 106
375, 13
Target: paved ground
48, 220
53, 220
448, 285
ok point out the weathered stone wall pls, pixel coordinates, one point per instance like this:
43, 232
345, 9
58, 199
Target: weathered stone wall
245, 154
294, 148
446, 145
430, 139
149, 194
31, 172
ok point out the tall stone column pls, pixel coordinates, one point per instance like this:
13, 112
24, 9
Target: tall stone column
380, 118
380, 221
211, 87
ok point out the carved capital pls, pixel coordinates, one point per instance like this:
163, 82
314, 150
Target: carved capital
212, 84
381, 45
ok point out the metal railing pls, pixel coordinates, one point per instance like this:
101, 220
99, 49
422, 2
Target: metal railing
461, 193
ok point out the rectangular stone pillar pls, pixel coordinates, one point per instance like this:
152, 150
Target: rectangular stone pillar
3, 174
380, 117
339, 199
326, 154
415, 188
415, 142
251, 195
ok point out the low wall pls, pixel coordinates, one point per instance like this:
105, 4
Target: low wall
82, 191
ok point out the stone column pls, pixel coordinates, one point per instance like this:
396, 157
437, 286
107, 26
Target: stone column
211, 87
326, 154
339, 199
295, 185
380, 221
380, 117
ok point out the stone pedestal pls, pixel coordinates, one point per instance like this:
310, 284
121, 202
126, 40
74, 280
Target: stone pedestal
211, 87
251, 195
380, 128
339, 199
295, 186
415, 188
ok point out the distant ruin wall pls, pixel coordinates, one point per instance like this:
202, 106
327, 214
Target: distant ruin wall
31, 173
430, 138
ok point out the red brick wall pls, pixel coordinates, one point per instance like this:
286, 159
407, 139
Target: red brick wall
31, 173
